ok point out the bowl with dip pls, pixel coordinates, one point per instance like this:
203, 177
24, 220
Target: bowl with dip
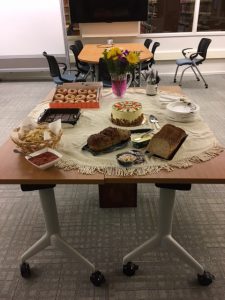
44, 158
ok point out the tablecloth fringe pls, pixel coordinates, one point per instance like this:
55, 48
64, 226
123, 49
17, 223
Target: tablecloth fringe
140, 170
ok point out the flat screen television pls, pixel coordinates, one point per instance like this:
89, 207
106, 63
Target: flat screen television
92, 11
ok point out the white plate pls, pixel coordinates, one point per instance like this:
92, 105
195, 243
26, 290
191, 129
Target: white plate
184, 108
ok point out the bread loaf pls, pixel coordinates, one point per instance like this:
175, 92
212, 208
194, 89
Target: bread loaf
165, 142
106, 138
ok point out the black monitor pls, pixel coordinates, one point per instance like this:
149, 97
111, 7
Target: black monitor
92, 11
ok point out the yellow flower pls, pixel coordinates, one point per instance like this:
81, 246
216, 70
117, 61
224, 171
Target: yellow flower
132, 58
114, 53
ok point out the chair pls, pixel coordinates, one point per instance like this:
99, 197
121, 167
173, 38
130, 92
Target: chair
152, 60
193, 60
58, 76
147, 43
79, 44
83, 69
103, 73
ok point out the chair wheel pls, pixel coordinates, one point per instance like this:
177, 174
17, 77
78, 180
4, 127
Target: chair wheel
174, 80
206, 86
25, 270
130, 268
206, 278
97, 278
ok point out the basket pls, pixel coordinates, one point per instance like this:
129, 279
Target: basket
35, 145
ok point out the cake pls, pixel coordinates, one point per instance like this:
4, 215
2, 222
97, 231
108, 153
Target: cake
106, 138
127, 113
165, 142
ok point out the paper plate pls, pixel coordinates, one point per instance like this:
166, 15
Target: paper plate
180, 107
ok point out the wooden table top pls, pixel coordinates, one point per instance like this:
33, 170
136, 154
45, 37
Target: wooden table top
91, 53
14, 169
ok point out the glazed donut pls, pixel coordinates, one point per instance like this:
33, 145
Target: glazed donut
59, 97
91, 96
80, 97
70, 97
72, 91
61, 91
93, 91
82, 91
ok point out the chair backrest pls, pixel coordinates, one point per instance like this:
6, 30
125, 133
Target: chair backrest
79, 44
74, 48
147, 43
103, 73
53, 65
203, 47
155, 45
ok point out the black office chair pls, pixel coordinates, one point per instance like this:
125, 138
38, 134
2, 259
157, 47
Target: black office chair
59, 77
83, 69
79, 44
103, 73
147, 43
193, 60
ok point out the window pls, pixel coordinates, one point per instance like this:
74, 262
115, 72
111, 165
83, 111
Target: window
211, 15
169, 16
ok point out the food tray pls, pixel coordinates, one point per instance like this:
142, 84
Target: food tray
118, 146
79, 85
66, 115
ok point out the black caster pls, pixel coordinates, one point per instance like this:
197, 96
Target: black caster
97, 278
206, 278
206, 86
174, 81
25, 270
130, 268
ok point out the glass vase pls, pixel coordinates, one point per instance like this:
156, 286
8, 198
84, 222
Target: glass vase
120, 84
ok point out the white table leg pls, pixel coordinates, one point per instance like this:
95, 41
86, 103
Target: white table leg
52, 235
164, 238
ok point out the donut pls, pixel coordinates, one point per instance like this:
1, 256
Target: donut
61, 91
72, 91
77, 101
70, 97
58, 101
80, 97
82, 91
93, 91
59, 97
91, 96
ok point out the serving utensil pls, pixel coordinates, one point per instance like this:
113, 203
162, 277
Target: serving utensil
154, 120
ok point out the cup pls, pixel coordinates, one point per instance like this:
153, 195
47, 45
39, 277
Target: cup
110, 42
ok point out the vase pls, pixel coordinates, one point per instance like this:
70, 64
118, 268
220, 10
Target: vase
120, 84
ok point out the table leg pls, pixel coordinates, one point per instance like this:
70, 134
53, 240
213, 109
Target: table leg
52, 237
164, 238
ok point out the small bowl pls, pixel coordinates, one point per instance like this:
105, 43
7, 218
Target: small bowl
140, 142
126, 159
44, 158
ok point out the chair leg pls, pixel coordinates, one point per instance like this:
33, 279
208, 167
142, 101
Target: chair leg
195, 74
206, 85
175, 80
182, 74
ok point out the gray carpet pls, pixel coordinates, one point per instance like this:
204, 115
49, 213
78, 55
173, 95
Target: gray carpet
104, 236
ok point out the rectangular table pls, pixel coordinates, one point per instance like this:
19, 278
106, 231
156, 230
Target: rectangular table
14, 169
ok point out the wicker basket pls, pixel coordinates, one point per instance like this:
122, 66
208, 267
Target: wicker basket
32, 146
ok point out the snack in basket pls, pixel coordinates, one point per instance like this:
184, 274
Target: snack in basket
108, 137
30, 138
165, 142
127, 113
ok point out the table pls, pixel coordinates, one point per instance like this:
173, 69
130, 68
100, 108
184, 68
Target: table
91, 53
16, 170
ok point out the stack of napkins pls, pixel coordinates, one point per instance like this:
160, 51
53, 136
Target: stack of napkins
165, 99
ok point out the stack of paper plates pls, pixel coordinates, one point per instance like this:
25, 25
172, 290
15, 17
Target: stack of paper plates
181, 111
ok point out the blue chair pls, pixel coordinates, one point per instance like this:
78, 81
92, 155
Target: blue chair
193, 60
59, 77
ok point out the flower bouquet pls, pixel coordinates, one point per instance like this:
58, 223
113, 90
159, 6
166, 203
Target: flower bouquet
119, 63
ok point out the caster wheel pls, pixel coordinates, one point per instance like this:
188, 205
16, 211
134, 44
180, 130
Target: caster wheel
174, 81
97, 278
25, 270
130, 268
198, 79
206, 278
206, 86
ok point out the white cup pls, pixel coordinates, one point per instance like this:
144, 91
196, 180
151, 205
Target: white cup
110, 42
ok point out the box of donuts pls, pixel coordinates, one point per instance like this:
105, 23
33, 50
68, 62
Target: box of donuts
77, 95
